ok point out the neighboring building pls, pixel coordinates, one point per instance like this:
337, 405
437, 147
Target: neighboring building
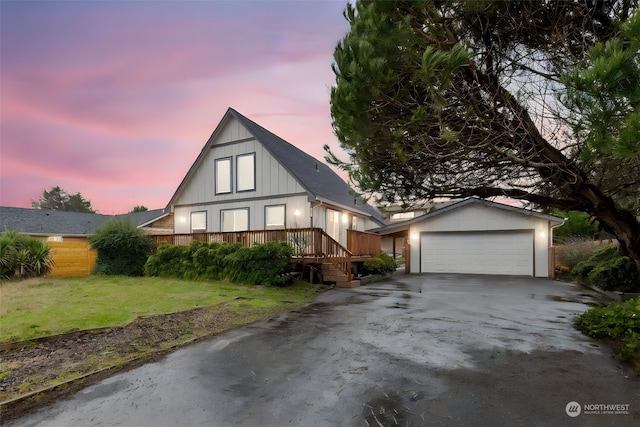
66, 233
247, 178
59, 226
475, 236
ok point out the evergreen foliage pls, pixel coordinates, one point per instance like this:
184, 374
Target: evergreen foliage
123, 249
609, 270
57, 199
381, 264
265, 264
532, 100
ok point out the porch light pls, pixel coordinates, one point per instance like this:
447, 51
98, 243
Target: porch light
414, 236
296, 212
345, 218
541, 234
182, 219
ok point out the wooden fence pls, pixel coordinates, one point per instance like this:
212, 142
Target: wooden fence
72, 259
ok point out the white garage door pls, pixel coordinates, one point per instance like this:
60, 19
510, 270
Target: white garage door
502, 252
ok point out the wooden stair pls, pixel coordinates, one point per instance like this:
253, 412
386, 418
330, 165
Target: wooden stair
342, 280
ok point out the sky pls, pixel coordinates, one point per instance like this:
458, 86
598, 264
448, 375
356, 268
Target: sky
115, 99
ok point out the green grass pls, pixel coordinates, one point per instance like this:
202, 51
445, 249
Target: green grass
45, 306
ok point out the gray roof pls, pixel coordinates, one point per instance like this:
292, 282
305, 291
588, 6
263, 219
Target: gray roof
48, 222
448, 206
319, 180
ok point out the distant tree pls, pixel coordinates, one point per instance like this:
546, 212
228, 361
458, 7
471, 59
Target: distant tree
57, 199
140, 208
576, 224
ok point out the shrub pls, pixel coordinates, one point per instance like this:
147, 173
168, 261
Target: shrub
265, 264
23, 256
619, 321
122, 249
572, 251
609, 270
383, 263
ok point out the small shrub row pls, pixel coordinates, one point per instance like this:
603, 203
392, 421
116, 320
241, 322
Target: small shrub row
23, 256
383, 263
266, 264
609, 270
618, 321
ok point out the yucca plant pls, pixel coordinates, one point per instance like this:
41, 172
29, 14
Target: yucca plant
23, 256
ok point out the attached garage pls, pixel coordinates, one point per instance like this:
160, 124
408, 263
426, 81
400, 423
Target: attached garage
476, 236
478, 252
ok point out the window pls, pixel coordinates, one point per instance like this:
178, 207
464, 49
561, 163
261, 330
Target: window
198, 222
246, 172
402, 215
333, 224
223, 175
235, 219
274, 216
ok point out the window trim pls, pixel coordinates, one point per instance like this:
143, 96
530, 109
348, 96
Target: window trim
222, 211
239, 172
215, 167
275, 226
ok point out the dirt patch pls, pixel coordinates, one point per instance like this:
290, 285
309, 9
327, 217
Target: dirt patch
40, 365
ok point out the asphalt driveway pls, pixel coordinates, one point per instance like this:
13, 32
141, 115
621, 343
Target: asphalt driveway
432, 350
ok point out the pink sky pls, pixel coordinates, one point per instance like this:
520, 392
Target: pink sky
115, 99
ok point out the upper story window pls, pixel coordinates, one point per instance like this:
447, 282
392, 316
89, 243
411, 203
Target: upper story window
402, 215
246, 172
223, 175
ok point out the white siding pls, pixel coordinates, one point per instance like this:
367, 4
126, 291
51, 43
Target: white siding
476, 217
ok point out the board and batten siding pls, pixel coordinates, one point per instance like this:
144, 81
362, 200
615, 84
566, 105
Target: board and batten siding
274, 185
256, 213
479, 218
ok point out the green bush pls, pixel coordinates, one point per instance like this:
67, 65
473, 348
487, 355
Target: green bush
266, 264
383, 263
123, 249
619, 321
23, 256
609, 270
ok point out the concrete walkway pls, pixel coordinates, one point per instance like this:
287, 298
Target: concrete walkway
432, 350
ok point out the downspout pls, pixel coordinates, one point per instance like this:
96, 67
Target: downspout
314, 205
552, 265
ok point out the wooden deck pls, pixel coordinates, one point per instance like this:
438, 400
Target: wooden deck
311, 246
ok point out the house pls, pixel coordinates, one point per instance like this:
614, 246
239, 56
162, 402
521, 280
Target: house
249, 186
247, 178
475, 236
66, 233
59, 226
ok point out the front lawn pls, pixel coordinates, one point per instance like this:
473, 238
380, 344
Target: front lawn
46, 306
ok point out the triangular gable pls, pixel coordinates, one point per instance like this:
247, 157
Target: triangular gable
320, 182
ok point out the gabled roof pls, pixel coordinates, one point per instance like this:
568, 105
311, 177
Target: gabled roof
320, 182
48, 223
448, 206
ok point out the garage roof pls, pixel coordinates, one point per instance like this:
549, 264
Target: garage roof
447, 207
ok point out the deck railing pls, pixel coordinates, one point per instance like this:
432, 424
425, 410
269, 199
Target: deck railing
363, 243
306, 243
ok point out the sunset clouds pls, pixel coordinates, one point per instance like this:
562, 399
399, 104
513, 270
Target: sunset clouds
115, 99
